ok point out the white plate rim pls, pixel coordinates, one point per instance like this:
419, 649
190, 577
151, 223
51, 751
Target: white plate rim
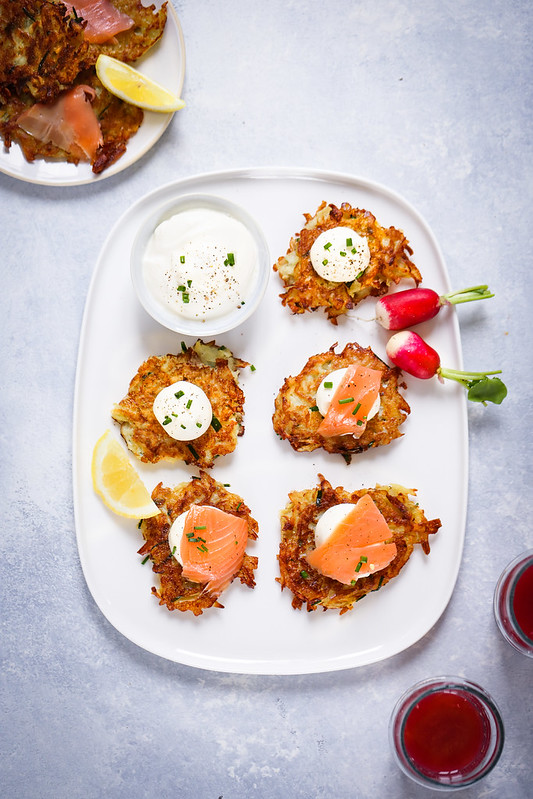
17, 166
266, 666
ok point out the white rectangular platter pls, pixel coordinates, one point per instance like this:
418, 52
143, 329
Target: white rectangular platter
258, 631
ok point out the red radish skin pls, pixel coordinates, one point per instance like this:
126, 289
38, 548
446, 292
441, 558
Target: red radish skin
413, 306
410, 352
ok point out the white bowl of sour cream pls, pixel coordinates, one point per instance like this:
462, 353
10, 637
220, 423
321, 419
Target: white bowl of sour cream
200, 264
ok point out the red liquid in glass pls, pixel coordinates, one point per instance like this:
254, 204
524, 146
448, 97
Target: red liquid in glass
522, 602
445, 733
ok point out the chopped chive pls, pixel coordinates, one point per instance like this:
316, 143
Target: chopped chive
181, 288
144, 561
324, 262
353, 250
202, 548
346, 401
198, 424
328, 384
215, 424
363, 559
189, 283
252, 368
167, 420
239, 505
182, 259
185, 297
359, 422
193, 451
190, 535
226, 485
342, 253
179, 394
356, 408
327, 246
348, 242
175, 415
199, 527
183, 346
314, 408
353, 582
318, 497
173, 550
304, 574
188, 404
183, 427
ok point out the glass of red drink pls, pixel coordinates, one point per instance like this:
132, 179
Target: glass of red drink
446, 733
513, 603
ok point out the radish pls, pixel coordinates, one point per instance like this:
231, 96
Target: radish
410, 352
413, 306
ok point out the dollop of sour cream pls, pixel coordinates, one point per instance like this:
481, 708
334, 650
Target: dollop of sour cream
201, 263
328, 387
329, 520
340, 254
183, 410
175, 534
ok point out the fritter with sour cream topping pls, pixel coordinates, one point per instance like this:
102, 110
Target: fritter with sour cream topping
214, 370
297, 418
405, 519
176, 591
389, 262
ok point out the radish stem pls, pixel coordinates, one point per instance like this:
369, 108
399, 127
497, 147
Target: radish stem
467, 295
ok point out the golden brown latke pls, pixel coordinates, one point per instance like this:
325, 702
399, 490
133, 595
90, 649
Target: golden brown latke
43, 52
148, 27
176, 592
118, 122
212, 368
406, 520
307, 291
296, 417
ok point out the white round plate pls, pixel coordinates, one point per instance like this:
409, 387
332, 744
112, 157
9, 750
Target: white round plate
164, 63
258, 631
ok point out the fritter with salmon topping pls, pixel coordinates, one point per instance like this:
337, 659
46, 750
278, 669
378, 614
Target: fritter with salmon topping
406, 521
306, 290
43, 53
176, 591
215, 370
296, 416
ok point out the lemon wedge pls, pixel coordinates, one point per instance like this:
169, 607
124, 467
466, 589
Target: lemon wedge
117, 482
133, 87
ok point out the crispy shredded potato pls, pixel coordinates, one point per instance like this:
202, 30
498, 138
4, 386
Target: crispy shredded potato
390, 262
215, 370
176, 592
296, 417
406, 520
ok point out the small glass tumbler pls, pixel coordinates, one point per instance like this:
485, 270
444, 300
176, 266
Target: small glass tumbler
446, 733
513, 603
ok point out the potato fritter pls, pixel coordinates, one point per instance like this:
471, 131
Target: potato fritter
42, 50
297, 418
215, 370
148, 27
176, 592
298, 521
306, 290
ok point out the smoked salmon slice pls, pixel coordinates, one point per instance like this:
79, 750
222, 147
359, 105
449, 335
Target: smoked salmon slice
69, 122
103, 20
352, 402
358, 546
212, 547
